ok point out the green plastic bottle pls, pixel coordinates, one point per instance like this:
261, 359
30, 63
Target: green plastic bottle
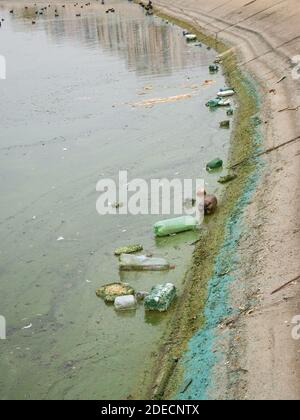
213, 103
176, 225
214, 164
160, 297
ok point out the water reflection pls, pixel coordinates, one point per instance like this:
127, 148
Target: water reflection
140, 42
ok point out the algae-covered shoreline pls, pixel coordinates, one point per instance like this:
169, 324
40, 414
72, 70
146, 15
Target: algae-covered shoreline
190, 316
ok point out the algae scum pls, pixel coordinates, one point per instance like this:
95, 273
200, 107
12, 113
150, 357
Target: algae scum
69, 117
192, 350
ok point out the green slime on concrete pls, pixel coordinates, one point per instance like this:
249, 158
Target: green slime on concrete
200, 358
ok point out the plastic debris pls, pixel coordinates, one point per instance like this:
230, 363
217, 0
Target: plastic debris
227, 178
130, 249
160, 297
27, 327
224, 102
109, 292
213, 103
229, 112
61, 238
127, 302
224, 93
191, 37
213, 68
141, 295
214, 164
176, 225
210, 204
154, 101
225, 124
142, 263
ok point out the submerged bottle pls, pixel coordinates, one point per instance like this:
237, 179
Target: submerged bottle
130, 262
176, 225
160, 297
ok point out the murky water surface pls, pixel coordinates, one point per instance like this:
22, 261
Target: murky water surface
67, 120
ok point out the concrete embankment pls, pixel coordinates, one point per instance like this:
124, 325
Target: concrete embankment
254, 353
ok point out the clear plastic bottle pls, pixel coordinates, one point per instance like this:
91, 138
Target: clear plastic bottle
125, 303
130, 262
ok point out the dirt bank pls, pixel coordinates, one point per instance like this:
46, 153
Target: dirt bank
260, 359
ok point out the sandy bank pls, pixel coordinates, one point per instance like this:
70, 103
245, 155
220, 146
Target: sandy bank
262, 360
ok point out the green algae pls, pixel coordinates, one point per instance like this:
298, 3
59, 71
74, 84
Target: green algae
214, 256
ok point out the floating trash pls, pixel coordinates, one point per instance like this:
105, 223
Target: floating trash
130, 249
214, 164
213, 68
176, 225
213, 103
225, 124
227, 178
224, 93
210, 204
141, 295
224, 102
123, 303
191, 37
160, 297
155, 101
109, 292
143, 263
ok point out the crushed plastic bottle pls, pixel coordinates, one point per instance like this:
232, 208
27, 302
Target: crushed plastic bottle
143, 263
160, 297
176, 225
127, 302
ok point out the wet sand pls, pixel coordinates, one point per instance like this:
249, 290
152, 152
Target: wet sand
260, 359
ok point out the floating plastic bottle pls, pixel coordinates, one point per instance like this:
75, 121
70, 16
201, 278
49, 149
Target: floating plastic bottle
191, 37
127, 302
160, 297
214, 164
176, 225
142, 263
223, 93
213, 68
